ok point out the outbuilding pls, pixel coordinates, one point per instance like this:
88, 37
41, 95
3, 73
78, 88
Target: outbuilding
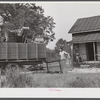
86, 39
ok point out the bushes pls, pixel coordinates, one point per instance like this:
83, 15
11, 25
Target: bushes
15, 79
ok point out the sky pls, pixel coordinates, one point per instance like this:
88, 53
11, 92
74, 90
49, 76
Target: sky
65, 14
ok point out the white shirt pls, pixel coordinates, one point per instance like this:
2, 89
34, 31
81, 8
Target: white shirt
64, 55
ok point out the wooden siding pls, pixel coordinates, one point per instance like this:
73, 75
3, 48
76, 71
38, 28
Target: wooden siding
41, 51
86, 37
32, 51
3, 49
82, 51
11, 51
20, 51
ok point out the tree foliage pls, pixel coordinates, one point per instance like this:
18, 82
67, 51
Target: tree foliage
17, 15
61, 43
52, 55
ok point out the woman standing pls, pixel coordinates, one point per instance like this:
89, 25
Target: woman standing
63, 57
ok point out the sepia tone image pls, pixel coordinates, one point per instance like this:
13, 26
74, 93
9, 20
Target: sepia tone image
50, 44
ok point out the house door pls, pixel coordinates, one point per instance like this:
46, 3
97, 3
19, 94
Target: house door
90, 51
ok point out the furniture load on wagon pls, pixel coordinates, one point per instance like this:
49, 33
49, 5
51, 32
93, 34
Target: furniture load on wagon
18, 45
15, 47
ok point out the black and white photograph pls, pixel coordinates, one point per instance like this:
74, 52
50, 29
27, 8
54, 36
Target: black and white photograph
50, 45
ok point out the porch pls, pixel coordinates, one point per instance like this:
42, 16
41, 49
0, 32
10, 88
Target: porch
89, 51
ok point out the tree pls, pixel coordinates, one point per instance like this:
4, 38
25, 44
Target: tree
52, 55
20, 15
61, 43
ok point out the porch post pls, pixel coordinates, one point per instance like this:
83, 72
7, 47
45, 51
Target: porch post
94, 51
72, 55
0, 78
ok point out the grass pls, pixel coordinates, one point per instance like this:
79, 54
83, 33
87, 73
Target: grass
45, 80
14, 78
68, 80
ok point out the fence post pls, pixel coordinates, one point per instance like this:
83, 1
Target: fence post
60, 67
47, 67
72, 65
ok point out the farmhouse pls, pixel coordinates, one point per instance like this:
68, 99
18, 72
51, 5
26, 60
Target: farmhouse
86, 39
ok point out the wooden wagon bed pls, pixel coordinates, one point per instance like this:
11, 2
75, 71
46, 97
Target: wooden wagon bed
22, 51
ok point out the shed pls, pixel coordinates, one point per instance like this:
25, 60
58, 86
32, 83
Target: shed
86, 39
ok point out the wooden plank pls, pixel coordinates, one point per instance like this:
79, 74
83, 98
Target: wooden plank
32, 51
94, 51
72, 55
27, 51
17, 51
37, 50
41, 50
45, 50
7, 51
98, 50
2, 50
22, 51
12, 50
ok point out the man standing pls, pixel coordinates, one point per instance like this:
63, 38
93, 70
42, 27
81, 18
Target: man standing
63, 56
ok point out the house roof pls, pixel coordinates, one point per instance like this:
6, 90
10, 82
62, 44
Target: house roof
94, 37
86, 25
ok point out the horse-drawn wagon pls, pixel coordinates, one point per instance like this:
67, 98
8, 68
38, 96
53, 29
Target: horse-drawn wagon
14, 47
18, 45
